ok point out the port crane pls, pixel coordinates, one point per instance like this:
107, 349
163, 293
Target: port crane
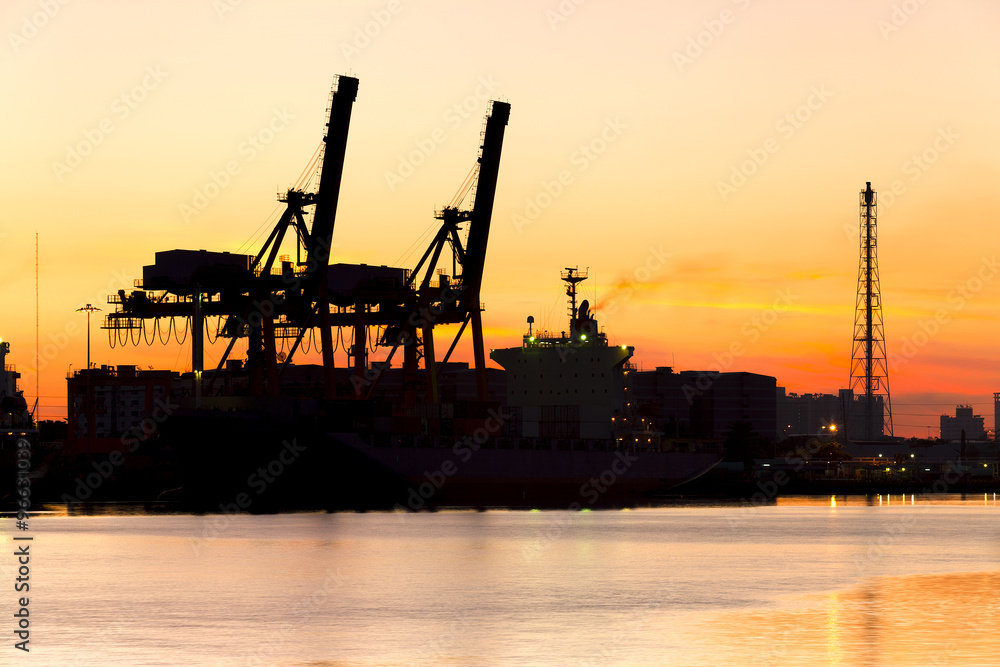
266, 297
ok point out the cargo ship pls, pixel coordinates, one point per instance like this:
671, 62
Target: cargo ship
14, 414
17, 425
563, 435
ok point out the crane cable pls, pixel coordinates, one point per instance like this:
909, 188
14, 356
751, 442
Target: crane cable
463, 189
187, 328
310, 165
260, 230
159, 331
208, 334
413, 246
457, 199
270, 219
307, 175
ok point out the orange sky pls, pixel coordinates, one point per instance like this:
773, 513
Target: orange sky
671, 98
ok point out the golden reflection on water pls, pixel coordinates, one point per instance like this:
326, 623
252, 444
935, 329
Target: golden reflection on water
885, 500
109, 509
941, 619
687, 587
833, 639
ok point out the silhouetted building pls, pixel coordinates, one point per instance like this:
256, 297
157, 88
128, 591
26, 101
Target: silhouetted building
996, 416
964, 420
702, 404
809, 414
121, 398
855, 410
125, 398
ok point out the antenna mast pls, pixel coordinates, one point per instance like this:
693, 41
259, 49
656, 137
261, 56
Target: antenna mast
869, 372
38, 393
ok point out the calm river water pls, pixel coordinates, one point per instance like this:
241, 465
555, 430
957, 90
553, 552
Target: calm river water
883, 582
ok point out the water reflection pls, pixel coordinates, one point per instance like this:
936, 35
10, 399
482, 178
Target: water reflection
988, 499
886, 500
802, 583
918, 620
110, 509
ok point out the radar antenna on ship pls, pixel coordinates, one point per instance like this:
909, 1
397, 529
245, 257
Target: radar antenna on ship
582, 323
572, 276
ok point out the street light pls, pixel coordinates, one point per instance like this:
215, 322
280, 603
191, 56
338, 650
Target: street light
90, 409
88, 309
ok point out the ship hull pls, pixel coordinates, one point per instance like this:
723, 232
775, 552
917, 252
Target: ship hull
461, 476
240, 462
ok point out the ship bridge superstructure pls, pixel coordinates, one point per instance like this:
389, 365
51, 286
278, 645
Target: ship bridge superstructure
14, 412
583, 331
569, 384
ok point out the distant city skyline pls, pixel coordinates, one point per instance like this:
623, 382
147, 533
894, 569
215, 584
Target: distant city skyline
702, 160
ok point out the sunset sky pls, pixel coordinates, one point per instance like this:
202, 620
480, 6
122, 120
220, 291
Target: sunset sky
713, 154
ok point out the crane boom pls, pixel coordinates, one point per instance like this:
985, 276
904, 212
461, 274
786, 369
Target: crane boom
479, 232
328, 195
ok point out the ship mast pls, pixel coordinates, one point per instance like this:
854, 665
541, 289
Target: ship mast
572, 277
582, 323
